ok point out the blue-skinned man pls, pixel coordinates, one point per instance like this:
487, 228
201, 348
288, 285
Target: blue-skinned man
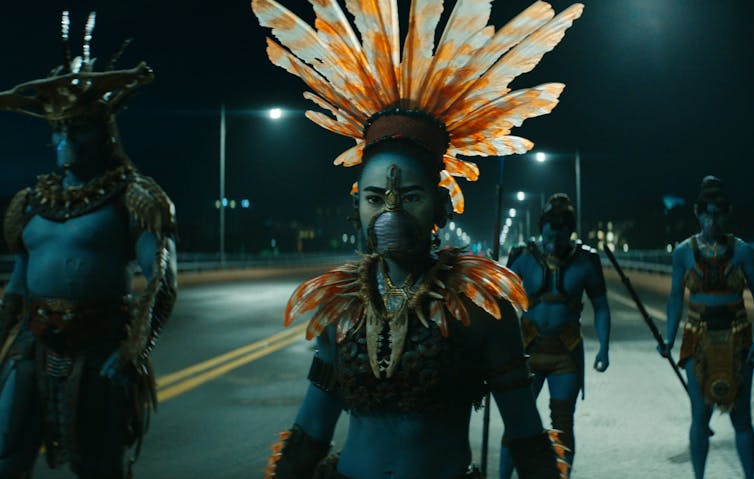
556, 272
716, 348
409, 336
74, 365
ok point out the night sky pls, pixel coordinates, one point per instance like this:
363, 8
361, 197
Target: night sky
658, 94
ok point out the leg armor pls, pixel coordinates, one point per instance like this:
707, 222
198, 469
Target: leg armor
536, 457
561, 415
295, 455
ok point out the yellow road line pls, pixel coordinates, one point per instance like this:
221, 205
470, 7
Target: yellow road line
198, 380
166, 380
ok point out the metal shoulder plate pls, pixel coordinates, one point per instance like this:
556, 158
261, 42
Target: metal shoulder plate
514, 254
592, 254
16, 218
149, 206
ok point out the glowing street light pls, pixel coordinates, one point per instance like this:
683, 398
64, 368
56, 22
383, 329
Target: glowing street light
540, 157
520, 196
512, 212
275, 113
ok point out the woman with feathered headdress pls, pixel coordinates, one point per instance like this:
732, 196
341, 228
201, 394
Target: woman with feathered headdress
410, 337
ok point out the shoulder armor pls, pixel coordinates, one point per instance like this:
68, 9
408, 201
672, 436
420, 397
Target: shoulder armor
590, 253
149, 206
514, 254
338, 296
484, 282
16, 218
586, 249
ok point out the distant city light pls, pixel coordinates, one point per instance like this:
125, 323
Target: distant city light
520, 196
625, 247
512, 212
447, 236
232, 204
245, 203
669, 248
225, 202
345, 237
508, 222
452, 225
276, 113
352, 239
273, 243
540, 157
217, 204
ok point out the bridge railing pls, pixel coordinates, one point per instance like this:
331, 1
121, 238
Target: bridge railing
654, 261
196, 262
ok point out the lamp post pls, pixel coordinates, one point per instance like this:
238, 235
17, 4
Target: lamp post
274, 114
222, 184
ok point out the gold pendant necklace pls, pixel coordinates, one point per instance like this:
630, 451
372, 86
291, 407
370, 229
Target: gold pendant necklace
386, 331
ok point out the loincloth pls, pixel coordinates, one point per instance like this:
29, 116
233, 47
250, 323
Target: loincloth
718, 339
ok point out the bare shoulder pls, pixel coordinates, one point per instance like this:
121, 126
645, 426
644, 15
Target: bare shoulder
742, 251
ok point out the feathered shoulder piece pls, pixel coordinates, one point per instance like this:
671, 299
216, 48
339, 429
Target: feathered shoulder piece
452, 97
345, 296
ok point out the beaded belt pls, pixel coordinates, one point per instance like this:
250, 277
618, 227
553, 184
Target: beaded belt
67, 326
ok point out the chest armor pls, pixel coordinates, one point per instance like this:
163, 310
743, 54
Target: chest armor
553, 271
432, 373
412, 356
715, 275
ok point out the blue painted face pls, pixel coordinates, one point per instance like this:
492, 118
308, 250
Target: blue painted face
713, 220
556, 238
80, 145
397, 202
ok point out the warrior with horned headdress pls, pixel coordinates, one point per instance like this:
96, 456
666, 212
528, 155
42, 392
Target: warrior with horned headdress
74, 364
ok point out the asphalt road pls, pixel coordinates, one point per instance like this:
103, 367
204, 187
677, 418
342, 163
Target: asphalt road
230, 380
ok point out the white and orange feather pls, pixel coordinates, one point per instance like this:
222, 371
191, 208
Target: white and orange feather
463, 81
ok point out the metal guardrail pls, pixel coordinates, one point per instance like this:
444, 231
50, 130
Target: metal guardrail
197, 262
656, 261
653, 261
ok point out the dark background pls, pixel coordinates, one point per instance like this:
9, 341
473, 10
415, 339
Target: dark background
659, 94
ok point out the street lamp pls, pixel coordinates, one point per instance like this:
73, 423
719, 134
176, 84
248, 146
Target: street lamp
540, 157
275, 113
512, 212
520, 196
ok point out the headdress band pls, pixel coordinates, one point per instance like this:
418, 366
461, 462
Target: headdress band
415, 125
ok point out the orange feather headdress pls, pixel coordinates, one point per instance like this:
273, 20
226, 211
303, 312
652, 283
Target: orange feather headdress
452, 97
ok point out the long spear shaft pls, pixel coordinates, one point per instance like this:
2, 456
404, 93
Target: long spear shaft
495, 256
644, 313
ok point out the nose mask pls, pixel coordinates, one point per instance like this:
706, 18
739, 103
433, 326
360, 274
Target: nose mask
394, 233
